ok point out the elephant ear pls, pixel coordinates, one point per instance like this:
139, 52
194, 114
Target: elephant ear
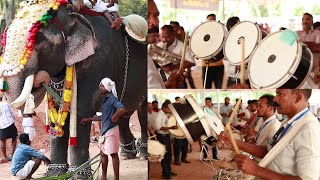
81, 42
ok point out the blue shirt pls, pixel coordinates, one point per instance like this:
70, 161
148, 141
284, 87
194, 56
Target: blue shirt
22, 155
110, 104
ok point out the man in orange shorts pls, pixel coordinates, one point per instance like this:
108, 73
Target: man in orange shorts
109, 143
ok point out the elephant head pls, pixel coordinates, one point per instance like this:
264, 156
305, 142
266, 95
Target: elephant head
54, 46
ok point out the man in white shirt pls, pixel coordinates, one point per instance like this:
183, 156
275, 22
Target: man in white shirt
311, 38
163, 136
151, 117
173, 45
154, 79
225, 110
7, 129
300, 158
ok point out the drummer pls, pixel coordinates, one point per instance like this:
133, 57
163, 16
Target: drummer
300, 157
233, 72
173, 45
164, 138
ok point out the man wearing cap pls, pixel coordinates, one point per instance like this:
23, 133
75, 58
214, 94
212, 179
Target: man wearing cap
112, 109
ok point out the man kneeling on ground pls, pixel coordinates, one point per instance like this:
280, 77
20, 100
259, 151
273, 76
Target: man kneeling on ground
26, 160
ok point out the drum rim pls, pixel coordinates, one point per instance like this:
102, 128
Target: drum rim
287, 76
172, 131
213, 132
257, 43
220, 47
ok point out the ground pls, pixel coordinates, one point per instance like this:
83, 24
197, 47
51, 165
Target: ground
196, 169
129, 169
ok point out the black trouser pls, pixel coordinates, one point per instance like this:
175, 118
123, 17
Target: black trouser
232, 81
214, 152
180, 147
166, 161
215, 74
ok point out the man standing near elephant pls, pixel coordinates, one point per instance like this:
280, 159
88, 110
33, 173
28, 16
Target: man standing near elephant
7, 129
112, 109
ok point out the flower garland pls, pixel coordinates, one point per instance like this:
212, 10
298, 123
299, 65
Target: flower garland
33, 31
58, 118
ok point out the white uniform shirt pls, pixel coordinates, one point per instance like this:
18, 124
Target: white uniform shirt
154, 79
6, 116
267, 130
227, 110
177, 48
236, 121
151, 119
301, 157
231, 71
161, 121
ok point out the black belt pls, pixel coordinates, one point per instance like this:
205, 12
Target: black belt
163, 134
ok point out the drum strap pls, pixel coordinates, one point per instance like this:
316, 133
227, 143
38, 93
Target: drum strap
285, 140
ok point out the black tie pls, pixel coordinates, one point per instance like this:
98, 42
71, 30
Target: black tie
275, 137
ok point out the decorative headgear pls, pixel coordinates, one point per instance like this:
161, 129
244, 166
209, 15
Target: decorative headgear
110, 86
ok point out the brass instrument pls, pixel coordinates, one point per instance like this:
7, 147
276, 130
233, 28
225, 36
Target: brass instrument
162, 56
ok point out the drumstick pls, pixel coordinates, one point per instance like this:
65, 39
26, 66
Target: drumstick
242, 68
181, 69
236, 107
233, 141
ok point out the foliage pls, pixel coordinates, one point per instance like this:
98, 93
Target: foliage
139, 7
298, 11
315, 10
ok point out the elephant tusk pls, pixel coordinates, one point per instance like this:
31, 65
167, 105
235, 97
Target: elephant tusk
27, 87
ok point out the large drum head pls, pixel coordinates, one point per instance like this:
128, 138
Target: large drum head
274, 62
190, 118
233, 49
214, 121
156, 148
207, 40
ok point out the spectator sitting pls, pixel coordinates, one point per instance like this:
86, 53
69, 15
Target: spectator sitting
26, 160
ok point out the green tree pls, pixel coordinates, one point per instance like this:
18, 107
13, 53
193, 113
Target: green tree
139, 7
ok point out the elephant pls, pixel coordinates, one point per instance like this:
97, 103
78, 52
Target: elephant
97, 51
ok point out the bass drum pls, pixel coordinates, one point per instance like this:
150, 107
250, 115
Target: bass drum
156, 151
280, 61
252, 35
191, 118
175, 132
207, 39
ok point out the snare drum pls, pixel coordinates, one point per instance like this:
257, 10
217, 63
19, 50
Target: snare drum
156, 151
206, 41
278, 62
252, 35
214, 121
191, 118
176, 132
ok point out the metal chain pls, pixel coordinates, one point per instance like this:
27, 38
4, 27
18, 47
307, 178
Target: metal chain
87, 171
57, 167
123, 146
141, 144
125, 69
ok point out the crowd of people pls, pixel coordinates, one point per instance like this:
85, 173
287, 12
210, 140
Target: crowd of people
214, 70
260, 124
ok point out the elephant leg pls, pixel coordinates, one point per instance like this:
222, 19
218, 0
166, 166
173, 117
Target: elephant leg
142, 143
59, 153
127, 140
79, 154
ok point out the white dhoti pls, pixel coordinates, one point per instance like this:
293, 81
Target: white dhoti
109, 142
27, 124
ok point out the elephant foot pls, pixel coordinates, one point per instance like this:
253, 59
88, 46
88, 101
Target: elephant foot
128, 151
143, 151
56, 169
